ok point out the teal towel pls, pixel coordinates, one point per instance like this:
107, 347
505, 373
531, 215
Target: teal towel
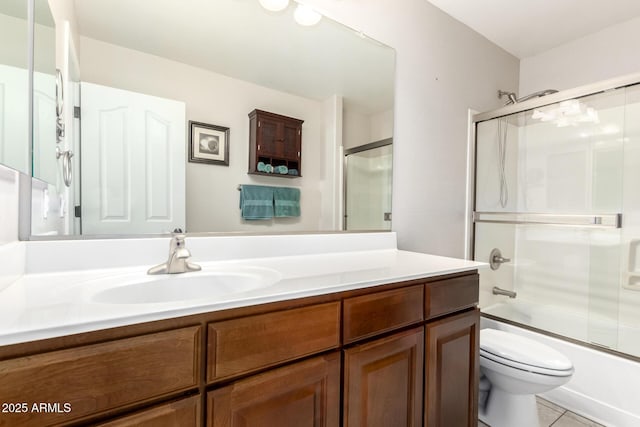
282, 169
287, 201
256, 202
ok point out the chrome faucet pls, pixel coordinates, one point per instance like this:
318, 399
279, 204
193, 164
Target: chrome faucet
499, 291
496, 259
178, 261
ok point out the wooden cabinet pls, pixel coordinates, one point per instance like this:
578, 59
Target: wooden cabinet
181, 413
304, 394
402, 354
275, 140
240, 346
373, 314
99, 378
383, 381
452, 367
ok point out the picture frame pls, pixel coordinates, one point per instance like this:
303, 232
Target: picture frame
208, 143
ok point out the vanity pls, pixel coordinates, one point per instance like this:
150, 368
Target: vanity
343, 335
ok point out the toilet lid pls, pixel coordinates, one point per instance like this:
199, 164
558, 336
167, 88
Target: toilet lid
522, 350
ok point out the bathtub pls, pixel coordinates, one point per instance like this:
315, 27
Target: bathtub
591, 328
604, 387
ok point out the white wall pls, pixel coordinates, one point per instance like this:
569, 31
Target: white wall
606, 54
443, 68
12, 252
212, 196
49, 209
361, 128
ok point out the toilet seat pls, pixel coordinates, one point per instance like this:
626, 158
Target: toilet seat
525, 367
523, 353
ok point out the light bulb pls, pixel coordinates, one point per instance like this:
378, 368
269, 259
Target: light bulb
274, 5
306, 16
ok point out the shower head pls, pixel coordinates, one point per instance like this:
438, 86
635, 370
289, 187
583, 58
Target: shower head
511, 96
513, 99
537, 94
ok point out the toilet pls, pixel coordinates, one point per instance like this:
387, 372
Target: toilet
518, 368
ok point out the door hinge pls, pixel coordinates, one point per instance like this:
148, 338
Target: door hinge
77, 212
76, 112
387, 216
258, 123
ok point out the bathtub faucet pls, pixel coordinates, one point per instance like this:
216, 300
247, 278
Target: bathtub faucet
499, 291
496, 259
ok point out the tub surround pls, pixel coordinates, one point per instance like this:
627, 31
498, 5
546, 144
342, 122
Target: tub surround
52, 300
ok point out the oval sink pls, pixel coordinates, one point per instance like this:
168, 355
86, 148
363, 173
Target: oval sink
172, 288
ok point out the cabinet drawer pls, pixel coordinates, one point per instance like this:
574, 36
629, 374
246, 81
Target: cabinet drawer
368, 315
96, 378
303, 394
447, 296
181, 413
243, 345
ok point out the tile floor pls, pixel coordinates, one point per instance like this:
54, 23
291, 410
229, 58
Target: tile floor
550, 414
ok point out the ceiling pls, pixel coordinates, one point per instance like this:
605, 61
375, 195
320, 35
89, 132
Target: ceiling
528, 27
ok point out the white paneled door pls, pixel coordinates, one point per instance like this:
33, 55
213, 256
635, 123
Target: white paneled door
132, 162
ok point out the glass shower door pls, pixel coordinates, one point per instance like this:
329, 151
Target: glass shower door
368, 188
553, 186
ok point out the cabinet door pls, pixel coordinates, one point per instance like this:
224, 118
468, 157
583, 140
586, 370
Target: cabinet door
304, 394
291, 138
383, 381
269, 137
452, 359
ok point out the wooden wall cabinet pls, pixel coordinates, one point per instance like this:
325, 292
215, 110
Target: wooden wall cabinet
276, 140
403, 354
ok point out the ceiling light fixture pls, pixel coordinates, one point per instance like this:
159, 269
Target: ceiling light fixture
274, 5
306, 16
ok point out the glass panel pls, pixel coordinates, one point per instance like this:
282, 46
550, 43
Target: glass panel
497, 152
368, 192
571, 156
562, 158
570, 169
629, 309
14, 85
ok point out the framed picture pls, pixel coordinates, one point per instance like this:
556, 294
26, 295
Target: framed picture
208, 143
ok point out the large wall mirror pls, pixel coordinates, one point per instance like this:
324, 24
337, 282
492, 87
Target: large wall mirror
14, 85
135, 73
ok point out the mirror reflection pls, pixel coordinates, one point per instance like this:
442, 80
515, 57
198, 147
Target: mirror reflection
45, 164
14, 86
141, 71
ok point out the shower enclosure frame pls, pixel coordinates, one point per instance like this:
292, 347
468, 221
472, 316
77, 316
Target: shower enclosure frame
347, 152
470, 209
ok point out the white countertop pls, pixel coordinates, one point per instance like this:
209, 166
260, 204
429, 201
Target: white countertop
52, 304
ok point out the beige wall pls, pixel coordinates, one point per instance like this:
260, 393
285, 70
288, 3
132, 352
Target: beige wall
443, 68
